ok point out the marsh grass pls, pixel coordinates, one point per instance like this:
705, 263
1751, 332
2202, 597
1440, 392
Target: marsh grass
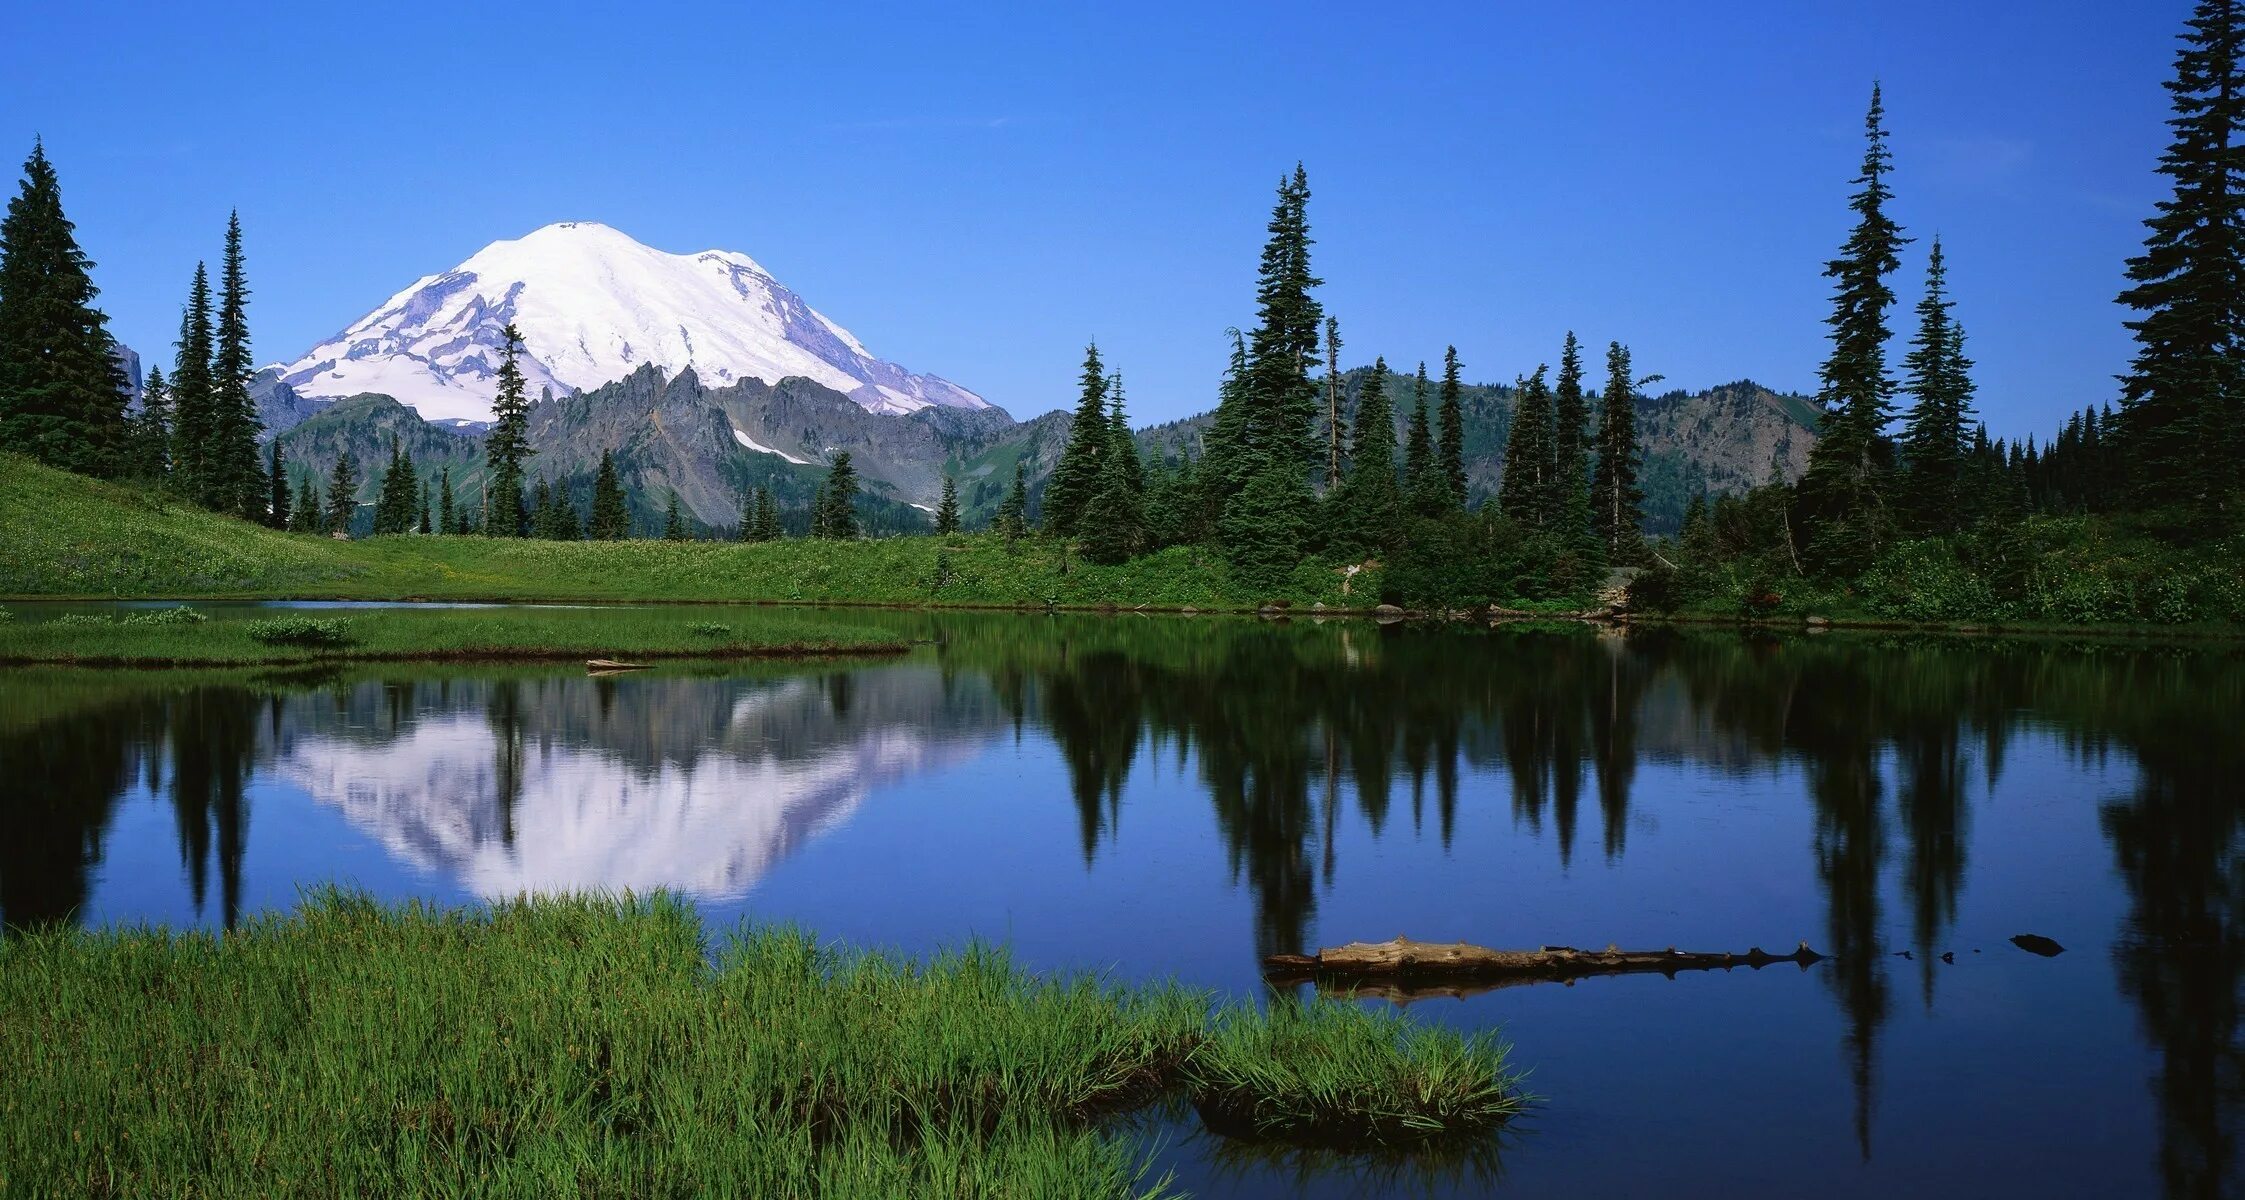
152, 639
591, 1046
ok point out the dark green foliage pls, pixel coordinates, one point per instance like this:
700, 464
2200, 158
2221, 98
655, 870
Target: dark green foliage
1077, 476
554, 516
148, 434
1367, 511
1615, 500
1567, 504
277, 497
1937, 430
62, 394
1122, 446
2183, 399
1524, 494
310, 632
837, 507
307, 514
1336, 428
1841, 496
1113, 525
1424, 485
1452, 452
1013, 515
611, 515
342, 495
448, 510
1264, 527
234, 478
424, 522
508, 445
191, 395
1267, 415
947, 509
674, 525
397, 498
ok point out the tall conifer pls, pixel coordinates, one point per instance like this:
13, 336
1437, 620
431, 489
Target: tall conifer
150, 431
191, 394
1615, 499
236, 479
840, 501
277, 494
1525, 491
1369, 506
1335, 433
947, 509
1422, 483
447, 515
62, 392
611, 514
342, 494
1077, 475
1936, 432
508, 445
1452, 454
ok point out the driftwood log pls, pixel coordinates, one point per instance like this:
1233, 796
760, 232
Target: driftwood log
1405, 969
605, 665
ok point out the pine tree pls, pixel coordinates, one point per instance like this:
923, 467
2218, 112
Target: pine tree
1369, 508
1122, 445
1936, 431
342, 494
1616, 501
1841, 493
1076, 476
1114, 522
277, 502
747, 529
307, 515
448, 511
62, 392
508, 444
1335, 433
1013, 514
191, 394
840, 502
611, 514
1568, 502
2182, 408
541, 510
150, 432
392, 506
1526, 486
424, 524
768, 516
1268, 414
1421, 482
1452, 454
674, 525
566, 525
237, 482
947, 509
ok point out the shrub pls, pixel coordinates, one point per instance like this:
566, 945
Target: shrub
181, 615
77, 621
6, 616
302, 631
1656, 590
711, 629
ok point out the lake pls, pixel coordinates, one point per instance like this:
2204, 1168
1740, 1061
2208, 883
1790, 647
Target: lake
1177, 797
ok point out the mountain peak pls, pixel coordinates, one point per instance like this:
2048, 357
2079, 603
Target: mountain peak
593, 304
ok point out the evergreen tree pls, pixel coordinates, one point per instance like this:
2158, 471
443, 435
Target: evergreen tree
1937, 429
191, 394
840, 503
1268, 415
306, 515
1265, 525
1615, 499
1114, 522
1840, 495
611, 514
818, 511
1525, 489
396, 495
342, 494
768, 516
1568, 503
2182, 408
448, 509
1077, 475
424, 525
1421, 480
1013, 514
236, 478
1335, 432
1452, 454
276, 505
150, 432
674, 525
541, 510
748, 529
1369, 508
1122, 445
509, 443
62, 392
947, 509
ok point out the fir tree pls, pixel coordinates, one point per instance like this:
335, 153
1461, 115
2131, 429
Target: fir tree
1421, 483
62, 392
1114, 522
1840, 495
425, 525
509, 443
1452, 456
396, 495
1122, 445
674, 525
306, 515
947, 509
1265, 525
1077, 475
768, 516
276, 507
150, 431
2182, 408
1525, 489
191, 394
448, 511
748, 530
541, 510
1567, 505
611, 514
1369, 508
1937, 429
1616, 501
236, 480
1268, 414
840, 503
342, 495
1013, 513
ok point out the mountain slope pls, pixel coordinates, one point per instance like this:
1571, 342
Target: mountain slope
593, 306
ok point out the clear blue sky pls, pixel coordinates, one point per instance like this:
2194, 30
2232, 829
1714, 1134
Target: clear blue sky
976, 193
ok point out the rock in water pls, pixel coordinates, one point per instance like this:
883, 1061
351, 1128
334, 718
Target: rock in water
2035, 943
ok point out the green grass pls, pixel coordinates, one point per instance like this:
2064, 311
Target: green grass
588, 1046
152, 639
63, 535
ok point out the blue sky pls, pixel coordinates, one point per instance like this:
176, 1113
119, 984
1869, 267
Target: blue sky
978, 191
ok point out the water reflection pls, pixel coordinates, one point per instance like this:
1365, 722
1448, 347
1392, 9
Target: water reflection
502, 781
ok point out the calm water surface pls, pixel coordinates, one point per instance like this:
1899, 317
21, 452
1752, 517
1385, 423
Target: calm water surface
1172, 797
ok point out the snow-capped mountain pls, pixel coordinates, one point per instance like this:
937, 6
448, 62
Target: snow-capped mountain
592, 306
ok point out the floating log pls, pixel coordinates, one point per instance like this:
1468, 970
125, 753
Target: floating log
609, 664
1405, 969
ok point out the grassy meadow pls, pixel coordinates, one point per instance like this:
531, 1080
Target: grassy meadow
594, 1046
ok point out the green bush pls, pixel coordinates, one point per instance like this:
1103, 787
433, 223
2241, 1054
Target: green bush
302, 631
159, 617
711, 629
78, 620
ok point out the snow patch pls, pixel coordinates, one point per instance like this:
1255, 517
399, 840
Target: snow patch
761, 448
